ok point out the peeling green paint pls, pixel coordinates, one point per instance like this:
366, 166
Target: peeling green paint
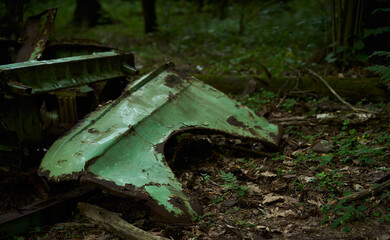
121, 142
162, 196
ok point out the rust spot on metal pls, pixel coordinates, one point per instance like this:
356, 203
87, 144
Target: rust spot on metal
160, 147
172, 80
258, 127
175, 200
233, 121
253, 132
64, 177
93, 131
171, 96
80, 153
90, 162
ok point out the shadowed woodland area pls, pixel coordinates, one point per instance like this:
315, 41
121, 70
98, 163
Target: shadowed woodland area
319, 69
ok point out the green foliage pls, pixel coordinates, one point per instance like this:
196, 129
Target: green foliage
342, 214
330, 180
218, 199
350, 146
231, 182
278, 157
381, 70
206, 177
194, 36
258, 100
289, 103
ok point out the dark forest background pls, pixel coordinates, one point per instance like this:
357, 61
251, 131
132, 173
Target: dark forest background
224, 36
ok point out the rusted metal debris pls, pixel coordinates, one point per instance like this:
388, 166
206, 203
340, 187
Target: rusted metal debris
120, 146
35, 34
48, 211
41, 96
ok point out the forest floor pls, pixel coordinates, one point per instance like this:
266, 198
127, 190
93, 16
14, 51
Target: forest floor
247, 191
250, 192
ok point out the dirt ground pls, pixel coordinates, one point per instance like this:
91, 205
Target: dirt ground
249, 191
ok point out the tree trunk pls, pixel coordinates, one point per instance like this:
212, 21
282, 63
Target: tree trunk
87, 13
11, 23
346, 26
150, 18
219, 9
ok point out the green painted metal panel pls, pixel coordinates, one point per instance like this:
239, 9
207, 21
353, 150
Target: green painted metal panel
35, 77
120, 145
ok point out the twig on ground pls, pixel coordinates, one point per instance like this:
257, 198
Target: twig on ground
294, 120
338, 96
367, 192
113, 223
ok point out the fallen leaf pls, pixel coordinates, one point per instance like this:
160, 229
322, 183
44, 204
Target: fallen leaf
307, 179
268, 174
269, 198
357, 187
311, 201
281, 213
253, 188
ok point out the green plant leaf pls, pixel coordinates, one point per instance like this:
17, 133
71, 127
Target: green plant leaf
359, 45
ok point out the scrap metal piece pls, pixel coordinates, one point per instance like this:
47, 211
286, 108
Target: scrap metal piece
120, 146
48, 211
67, 107
35, 34
30, 110
36, 77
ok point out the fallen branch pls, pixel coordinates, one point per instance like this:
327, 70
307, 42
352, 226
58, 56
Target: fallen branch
355, 109
113, 223
294, 120
368, 192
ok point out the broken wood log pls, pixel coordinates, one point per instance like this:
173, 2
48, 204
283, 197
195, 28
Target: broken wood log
334, 118
355, 109
372, 191
352, 89
113, 223
294, 120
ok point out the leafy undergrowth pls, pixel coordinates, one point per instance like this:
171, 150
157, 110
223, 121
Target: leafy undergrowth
199, 39
297, 192
294, 192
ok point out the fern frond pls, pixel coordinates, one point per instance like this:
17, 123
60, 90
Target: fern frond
382, 71
385, 54
228, 177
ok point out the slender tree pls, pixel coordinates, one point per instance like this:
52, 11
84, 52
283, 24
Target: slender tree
87, 13
12, 21
358, 26
150, 18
